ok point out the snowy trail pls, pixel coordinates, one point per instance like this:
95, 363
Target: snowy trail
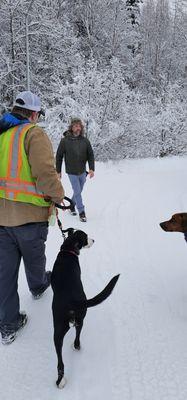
134, 344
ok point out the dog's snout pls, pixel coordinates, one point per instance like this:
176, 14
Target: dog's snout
90, 242
162, 225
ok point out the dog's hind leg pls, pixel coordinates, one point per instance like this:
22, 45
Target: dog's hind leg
59, 334
78, 326
76, 344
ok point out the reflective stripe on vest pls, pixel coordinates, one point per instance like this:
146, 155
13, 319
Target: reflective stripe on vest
12, 185
23, 187
15, 153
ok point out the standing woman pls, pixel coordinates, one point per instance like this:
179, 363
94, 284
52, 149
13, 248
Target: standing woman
76, 149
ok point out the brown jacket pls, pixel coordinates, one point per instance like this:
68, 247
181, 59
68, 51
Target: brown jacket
41, 159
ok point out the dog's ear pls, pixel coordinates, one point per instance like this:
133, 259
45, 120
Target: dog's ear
70, 231
77, 246
68, 243
81, 239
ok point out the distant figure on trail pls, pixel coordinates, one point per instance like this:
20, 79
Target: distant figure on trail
76, 149
28, 185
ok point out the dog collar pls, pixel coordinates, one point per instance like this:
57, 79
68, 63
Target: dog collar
71, 252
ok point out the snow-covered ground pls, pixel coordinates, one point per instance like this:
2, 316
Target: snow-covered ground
134, 346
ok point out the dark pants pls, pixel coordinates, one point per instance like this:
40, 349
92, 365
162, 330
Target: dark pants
27, 242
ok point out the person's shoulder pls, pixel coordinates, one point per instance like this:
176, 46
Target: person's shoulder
36, 130
65, 134
65, 137
36, 134
86, 140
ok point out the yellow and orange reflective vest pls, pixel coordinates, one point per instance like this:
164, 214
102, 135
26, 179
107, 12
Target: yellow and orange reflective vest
16, 181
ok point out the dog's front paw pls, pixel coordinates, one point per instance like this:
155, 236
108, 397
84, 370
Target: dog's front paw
61, 382
77, 345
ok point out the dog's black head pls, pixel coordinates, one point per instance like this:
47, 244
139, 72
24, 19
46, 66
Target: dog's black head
76, 240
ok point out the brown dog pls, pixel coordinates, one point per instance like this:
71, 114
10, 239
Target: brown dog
177, 223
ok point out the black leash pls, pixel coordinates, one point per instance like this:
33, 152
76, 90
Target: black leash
64, 207
63, 231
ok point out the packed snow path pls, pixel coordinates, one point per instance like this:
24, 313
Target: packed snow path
134, 346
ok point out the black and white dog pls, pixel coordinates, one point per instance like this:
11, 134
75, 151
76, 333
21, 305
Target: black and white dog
69, 301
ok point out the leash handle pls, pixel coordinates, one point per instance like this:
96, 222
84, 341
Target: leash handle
65, 207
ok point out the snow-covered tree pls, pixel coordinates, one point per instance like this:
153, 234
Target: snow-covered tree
118, 64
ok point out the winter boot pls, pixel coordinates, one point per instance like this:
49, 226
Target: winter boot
9, 334
82, 217
72, 210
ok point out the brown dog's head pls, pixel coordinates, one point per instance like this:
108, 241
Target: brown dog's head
177, 223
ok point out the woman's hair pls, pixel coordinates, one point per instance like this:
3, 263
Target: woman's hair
76, 121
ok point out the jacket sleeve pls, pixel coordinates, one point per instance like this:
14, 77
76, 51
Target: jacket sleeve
90, 155
60, 155
41, 159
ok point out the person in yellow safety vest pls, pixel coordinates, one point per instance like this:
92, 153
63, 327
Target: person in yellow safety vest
29, 185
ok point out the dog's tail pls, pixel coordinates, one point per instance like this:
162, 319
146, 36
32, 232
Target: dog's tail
106, 292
